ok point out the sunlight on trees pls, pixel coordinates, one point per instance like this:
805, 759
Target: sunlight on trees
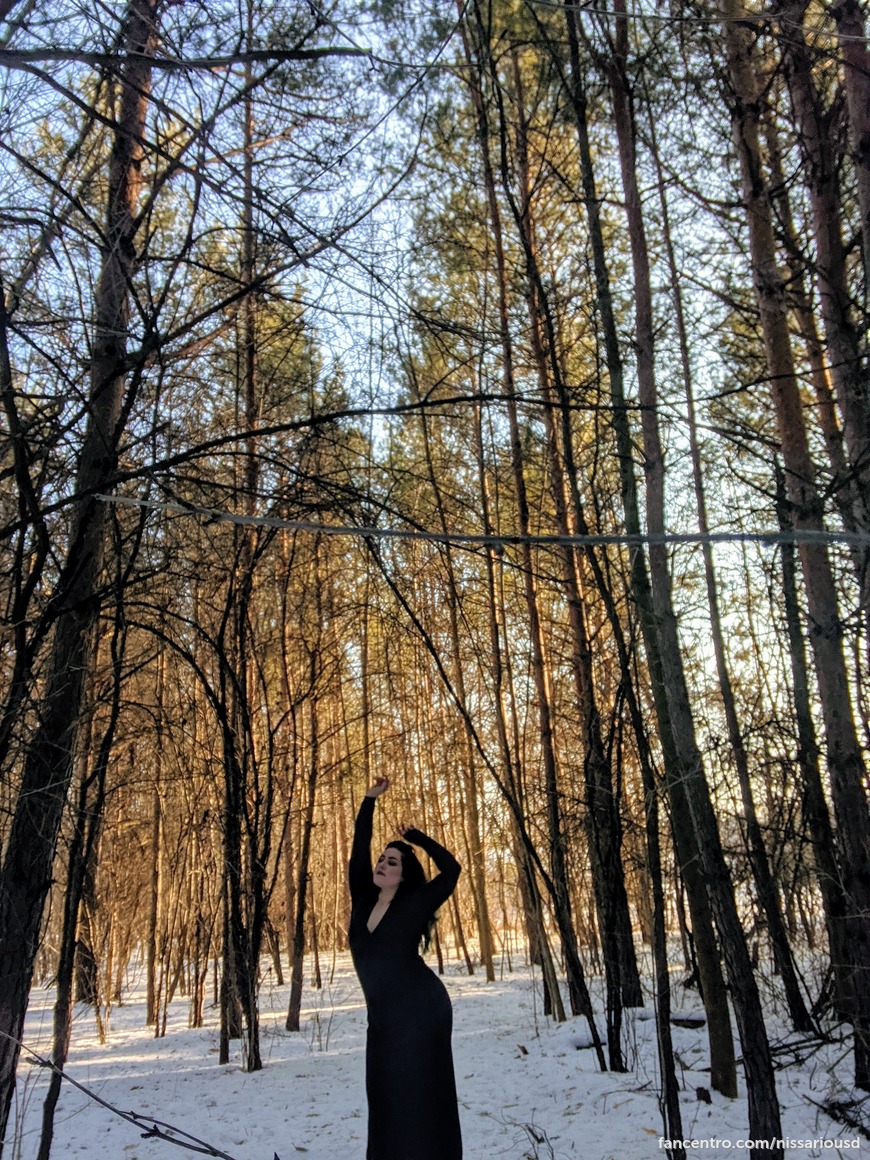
348, 354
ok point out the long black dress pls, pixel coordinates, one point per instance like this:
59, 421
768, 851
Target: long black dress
409, 1063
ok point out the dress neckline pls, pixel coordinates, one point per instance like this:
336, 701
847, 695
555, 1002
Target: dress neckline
372, 929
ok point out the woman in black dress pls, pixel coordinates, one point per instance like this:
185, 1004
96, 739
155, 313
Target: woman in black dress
409, 1064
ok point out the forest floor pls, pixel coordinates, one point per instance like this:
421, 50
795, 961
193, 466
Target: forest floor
528, 1088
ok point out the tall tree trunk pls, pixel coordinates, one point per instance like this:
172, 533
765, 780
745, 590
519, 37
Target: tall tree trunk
845, 763
852, 35
469, 769
844, 485
539, 945
602, 821
602, 810
759, 862
298, 947
577, 989
844, 353
26, 873
151, 1001
815, 806
764, 1119
723, 1067
250, 802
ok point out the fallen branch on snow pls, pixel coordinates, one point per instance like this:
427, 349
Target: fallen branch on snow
842, 1112
151, 1129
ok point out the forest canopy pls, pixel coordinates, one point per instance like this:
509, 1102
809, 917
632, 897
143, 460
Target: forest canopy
475, 395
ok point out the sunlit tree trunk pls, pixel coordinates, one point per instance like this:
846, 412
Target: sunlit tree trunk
764, 1120
469, 769
602, 813
844, 486
761, 1090
539, 944
577, 989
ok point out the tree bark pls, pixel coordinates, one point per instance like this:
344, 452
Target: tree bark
815, 806
764, 1119
847, 367
851, 30
85, 840
723, 1068
758, 858
602, 821
298, 947
469, 770
577, 990
26, 873
845, 764
539, 945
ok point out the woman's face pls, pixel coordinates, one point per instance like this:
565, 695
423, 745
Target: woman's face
388, 868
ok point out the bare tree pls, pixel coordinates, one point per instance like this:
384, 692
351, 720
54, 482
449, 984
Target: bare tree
845, 763
26, 872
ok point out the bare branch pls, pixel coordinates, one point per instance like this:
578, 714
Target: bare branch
18, 58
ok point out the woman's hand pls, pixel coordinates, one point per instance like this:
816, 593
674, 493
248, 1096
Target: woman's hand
403, 829
382, 784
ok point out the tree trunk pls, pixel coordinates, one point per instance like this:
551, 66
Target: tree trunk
849, 18
577, 990
151, 999
539, 945
602, 809
469, 769
844, 354
601, 816
764, 1119
844, 485
26, 873
298, 946
723, 1068
88, 818
845, 764
815, 806
759, 862
85, 841
670, 1096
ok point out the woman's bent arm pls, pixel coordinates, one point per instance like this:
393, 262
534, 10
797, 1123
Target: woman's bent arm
443, 884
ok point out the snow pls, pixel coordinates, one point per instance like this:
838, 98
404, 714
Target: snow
528, 1088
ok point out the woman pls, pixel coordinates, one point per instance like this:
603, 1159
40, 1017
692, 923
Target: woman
409, 1064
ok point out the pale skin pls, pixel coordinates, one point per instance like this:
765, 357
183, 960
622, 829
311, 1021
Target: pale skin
388, 868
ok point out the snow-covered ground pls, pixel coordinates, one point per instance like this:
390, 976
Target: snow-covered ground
527, 1087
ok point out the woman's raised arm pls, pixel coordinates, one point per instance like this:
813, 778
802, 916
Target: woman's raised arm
360, 868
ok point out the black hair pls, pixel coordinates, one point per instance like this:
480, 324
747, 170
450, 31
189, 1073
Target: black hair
413, 876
